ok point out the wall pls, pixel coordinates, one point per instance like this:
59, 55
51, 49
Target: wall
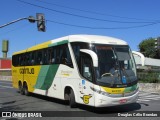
5, 64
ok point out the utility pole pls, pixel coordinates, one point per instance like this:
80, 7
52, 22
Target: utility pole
40, 21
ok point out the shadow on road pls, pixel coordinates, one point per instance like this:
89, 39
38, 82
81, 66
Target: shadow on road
113, 109
101, 110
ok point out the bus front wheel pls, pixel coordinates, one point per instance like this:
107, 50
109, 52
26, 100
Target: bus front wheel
72, 101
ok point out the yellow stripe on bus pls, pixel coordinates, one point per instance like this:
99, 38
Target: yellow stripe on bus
114, 90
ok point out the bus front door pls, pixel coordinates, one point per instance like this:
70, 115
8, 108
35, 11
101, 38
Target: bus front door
85, 83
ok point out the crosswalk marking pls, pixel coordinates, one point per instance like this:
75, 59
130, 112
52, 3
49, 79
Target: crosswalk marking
148, 96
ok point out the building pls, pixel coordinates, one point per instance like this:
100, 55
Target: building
143, 62
5, 63
5, 66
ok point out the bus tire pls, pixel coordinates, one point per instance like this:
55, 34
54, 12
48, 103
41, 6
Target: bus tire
25, 87
20, 87
72, 101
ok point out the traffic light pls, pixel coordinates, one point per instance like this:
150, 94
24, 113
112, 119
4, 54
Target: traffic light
157, 43
41, 22
31, 19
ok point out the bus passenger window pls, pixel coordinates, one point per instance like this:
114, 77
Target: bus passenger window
39, 58
45, 57
51, 56
65, 56
27, 59
32, 62
22, 60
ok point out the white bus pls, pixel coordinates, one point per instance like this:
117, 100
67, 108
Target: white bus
93, 70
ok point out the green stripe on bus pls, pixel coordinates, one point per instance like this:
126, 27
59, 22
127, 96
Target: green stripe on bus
130, 89
58, 43
46, 76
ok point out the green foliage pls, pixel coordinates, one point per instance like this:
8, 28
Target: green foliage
147, 47
148, 76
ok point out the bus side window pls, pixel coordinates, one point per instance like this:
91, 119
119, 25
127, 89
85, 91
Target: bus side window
15, 60
19, 60
51, 55
32, 58
22, 60
39, 58
65, 56
45, 57
69, 60
57, 55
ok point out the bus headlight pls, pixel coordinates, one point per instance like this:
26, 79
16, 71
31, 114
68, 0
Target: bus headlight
100, 92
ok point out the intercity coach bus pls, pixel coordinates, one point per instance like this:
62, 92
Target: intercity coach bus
93, 70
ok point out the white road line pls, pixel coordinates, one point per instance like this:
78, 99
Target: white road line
152, 98
149, 96
157, 97
148, 93
143, 100
6, 86
143, 94
5, 83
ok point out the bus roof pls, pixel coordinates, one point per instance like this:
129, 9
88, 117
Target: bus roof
91, 39
77, 38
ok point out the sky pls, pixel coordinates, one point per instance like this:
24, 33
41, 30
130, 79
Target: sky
129, 20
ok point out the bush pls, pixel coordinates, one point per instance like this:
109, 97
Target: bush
148, 76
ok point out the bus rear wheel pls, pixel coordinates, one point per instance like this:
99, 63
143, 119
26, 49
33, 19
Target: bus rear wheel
72, 102
20, 87
25, 87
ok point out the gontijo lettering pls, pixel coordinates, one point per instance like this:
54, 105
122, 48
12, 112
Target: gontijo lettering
26, 70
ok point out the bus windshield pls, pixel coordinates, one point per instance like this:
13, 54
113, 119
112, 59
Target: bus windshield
116, 67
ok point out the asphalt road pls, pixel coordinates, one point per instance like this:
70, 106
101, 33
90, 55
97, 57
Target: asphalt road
11, 100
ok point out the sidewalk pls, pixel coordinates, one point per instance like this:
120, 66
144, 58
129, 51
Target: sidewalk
149, 87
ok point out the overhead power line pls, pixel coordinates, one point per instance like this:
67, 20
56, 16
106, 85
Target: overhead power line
89, 27
75, 15
93, 12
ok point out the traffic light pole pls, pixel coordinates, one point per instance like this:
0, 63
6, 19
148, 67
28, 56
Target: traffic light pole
13, 22
40, 21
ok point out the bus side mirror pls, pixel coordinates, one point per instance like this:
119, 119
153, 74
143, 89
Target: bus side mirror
93, 56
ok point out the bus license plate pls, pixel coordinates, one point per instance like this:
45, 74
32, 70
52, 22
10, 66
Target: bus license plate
122, 101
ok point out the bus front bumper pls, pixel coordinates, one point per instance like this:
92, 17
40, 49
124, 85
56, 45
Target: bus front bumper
104, 101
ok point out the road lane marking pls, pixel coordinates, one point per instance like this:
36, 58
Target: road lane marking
5, 83
142, 100
6, 86
148, 96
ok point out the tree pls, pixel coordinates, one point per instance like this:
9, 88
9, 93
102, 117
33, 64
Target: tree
147, 47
